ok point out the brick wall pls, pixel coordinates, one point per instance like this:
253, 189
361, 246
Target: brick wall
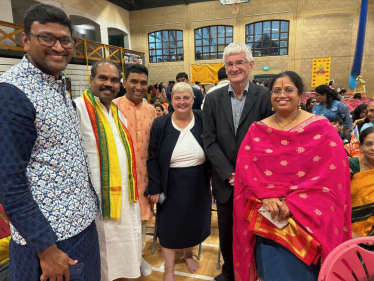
368, 65
327, 35
317, 29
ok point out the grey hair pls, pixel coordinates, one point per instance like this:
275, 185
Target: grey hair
182, 87
237, 48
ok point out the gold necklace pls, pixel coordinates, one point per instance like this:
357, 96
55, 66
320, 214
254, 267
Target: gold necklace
276, 121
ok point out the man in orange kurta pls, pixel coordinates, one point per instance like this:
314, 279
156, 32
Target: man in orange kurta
140, 116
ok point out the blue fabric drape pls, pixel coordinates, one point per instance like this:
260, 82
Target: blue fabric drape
357, 61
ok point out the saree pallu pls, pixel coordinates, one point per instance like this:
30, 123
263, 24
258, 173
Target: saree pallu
308, 166
363, 203
293, 237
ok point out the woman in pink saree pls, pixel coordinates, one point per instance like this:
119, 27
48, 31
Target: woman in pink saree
295, 163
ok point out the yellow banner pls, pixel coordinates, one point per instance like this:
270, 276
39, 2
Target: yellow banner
321, 71
205, 73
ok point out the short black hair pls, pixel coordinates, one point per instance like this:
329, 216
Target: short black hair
342, 91
365, 133
222, 73
336, 120
181, 75
44, 13
160, 106
96, 64
295, 78
357, 96
136, 68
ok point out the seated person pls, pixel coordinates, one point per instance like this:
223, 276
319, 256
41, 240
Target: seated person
342, 93
165, 104
359, 117
351, 144
160, 110
362, 187
156, 101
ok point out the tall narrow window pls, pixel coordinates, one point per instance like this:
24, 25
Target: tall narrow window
210, 41
165, 45
267, 38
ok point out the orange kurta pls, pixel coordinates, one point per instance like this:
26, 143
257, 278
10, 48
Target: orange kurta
139, 121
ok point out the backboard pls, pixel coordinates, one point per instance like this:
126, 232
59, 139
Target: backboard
232, 2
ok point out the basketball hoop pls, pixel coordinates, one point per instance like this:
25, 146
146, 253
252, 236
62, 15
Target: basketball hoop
235, 4
235, 8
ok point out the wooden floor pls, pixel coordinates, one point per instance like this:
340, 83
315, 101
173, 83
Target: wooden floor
207, 263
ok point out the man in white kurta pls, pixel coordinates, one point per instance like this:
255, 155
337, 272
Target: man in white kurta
120, 240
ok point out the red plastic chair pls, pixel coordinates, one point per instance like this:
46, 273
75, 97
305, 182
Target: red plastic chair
348, 262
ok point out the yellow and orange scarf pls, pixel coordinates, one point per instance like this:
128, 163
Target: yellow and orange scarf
111, 181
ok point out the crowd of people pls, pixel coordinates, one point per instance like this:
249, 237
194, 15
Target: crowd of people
80, 179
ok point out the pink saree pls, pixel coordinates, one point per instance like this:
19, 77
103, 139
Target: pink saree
309, 167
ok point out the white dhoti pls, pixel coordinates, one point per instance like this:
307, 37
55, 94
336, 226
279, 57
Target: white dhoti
121, 240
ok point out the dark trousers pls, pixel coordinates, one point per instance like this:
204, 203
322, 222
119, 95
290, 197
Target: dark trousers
84, 247
225, 223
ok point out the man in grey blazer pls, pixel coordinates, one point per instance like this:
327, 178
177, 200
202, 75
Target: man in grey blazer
228, 114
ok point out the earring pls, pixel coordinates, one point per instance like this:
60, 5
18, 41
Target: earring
299, 106
272, 108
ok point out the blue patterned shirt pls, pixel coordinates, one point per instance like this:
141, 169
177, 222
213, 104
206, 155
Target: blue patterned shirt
45, 185
337, 109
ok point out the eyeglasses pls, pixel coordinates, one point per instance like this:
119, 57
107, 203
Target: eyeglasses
50, 40
237, 64
287, 91
368, 144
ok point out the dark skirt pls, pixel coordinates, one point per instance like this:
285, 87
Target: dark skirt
183, 220
276, 263
84, 247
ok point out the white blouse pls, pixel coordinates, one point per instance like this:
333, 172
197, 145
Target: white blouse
187, 152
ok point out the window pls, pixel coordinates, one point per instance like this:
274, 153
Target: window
210, 41
267, 38
165, 45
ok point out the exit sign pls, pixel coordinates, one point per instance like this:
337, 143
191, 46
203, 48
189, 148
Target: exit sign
266, 68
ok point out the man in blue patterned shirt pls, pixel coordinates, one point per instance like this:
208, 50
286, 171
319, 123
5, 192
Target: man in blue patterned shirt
45, 185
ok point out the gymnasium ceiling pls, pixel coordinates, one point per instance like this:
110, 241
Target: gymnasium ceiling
132, 5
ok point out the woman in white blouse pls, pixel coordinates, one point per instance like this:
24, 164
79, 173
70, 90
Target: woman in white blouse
178, 169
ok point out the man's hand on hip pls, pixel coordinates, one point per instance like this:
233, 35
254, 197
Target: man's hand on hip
55, 264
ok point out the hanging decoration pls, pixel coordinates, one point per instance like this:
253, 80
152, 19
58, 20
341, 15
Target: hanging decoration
357, 61
321, 71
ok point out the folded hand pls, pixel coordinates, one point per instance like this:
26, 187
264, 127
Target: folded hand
277, 207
